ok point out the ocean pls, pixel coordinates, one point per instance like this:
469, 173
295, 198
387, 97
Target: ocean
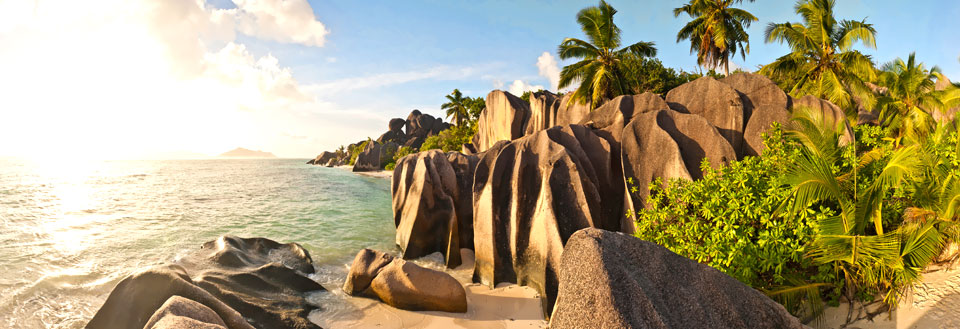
70, 230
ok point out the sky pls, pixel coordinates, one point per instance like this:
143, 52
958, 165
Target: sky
119, 79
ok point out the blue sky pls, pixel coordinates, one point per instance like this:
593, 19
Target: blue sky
296, 78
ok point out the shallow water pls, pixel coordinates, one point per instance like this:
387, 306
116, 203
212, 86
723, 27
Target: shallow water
71, 230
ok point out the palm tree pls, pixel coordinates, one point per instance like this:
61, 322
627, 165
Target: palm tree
456, 107
598, 70
855, 239
822, 61
716, 31
911, 96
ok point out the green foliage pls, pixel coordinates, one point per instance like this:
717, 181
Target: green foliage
649, 74
598, 71
397, 155
456, 107
451, 139
715, 31
475, 106
728, 220
355, 150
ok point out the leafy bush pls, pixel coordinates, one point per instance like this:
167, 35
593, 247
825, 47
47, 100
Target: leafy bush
397, 155
451, 139
728, 220
356, 150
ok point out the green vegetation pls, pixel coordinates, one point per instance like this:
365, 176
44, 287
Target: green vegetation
397, 155
822, 61
451, 139
649, 74
911, 97
355, 150
716, 31
598, 71
456, 107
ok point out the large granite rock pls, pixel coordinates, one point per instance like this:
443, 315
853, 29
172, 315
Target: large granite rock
949, 114
760, 123
248, 283
715, 101
425, 194
669, 145
181, 313
504, 118
755, 91
323, 158
531, 194
374, 156
612, 280
543, 111
832, 115
464, 166
404, 285
571, 112
419, 126
612, 116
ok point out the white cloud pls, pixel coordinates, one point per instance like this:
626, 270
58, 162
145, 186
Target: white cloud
109, 78
548, 68
280, 20
518, 87
441, 72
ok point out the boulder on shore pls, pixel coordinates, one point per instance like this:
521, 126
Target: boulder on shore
571, 112
531, 195
178, 313
323, 158
425, 195
612, 280
755, 91
374, 156
240, 280
760, 123
668, 145
715, 101
504, 118
403, 284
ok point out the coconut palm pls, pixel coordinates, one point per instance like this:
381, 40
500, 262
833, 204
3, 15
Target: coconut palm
911, 96
822, 61
855, 240
456, 107
598, 71
716, 31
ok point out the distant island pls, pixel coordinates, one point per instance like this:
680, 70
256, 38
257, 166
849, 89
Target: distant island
245, 153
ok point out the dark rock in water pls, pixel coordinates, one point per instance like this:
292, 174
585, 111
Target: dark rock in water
669, 145
178, 312
404, 285
831, 114
717, 102
543, 111
760, 122
425, 195
248, 283
323, 158
755, 91
504, 118
612, 280
374, 156
571, 112
531, 195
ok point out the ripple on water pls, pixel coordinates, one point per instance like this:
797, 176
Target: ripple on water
72, 232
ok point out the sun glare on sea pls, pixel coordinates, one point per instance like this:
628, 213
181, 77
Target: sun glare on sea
71, 205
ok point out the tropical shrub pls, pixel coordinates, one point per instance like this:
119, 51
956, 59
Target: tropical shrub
451, 139
356, 150
397, 155
728, 220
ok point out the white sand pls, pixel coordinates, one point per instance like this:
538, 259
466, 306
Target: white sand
934, 303
507, 306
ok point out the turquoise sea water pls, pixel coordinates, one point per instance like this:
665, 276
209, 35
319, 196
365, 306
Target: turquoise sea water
70, 230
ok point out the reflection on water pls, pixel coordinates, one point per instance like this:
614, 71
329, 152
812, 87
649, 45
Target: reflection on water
72, 230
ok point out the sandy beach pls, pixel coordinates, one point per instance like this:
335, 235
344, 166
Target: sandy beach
506, 306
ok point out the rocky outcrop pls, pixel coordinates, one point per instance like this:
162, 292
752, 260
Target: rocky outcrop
178, 312
247, 283
760, 123
832, 115
323, 158
612, 280
404, 285
425, 195
464, 166
755, 91
504, 118
374, 156
717, 102
571, 112
612, 116
543, 111
531, 195
669, 145
945, 115
419, 126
